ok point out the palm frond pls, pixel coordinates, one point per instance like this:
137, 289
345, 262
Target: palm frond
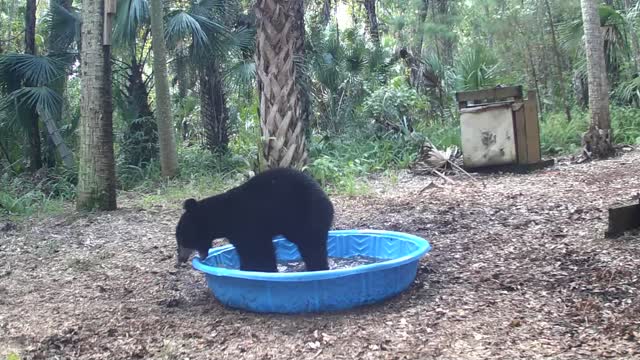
207, 8
243, 38
181, 25
18, 105
615, 34
207, 36
33, 69
65, 24
43, 99
240, 76
476, 69
131, 15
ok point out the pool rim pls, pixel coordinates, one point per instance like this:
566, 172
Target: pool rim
423, 247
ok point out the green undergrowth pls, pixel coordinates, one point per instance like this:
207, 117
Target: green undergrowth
341, 163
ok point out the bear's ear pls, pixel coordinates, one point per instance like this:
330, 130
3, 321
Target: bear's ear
190, 205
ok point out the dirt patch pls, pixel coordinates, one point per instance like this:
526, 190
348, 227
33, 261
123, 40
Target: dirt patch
519, 269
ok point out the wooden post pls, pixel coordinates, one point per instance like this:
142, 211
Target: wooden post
110, 7
532, 128
519, 131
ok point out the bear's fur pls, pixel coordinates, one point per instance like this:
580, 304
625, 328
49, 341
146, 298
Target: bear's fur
275, 202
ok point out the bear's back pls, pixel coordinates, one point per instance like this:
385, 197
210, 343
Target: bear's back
279, 197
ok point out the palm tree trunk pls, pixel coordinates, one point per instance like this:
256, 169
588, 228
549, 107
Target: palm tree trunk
33, 129
213, 108
597, 140
370, 6
168, 152
96, 174
282, 129
141, 140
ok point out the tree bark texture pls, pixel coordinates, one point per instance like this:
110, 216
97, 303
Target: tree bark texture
326, 12
370, 7
596, 141
282, 129
34, 146
96, 173
168, 152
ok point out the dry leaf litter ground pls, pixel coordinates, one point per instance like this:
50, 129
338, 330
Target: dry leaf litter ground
519, 269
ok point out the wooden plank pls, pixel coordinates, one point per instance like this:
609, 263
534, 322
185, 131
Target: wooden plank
532, 128
623, 218
520, 132
510, 168
490, 94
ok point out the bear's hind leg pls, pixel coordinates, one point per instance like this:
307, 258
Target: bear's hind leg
313, 249
257, 255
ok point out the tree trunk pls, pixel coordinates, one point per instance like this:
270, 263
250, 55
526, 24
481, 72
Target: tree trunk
597, 140
213, 108
559, 67
96, 174
141, 140
282, 129
30, 27
370, 6
33, 128
424, 10
326, 12
168, 152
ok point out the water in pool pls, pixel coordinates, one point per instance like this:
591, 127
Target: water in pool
335, 263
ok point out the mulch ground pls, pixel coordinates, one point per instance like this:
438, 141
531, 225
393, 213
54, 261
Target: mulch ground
519, 268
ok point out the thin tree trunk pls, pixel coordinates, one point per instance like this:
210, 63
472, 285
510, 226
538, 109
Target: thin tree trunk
534, 73
326, 12
558, 63
370, 6
301, 76
183, 84
30, 27
424, 10
96, 174
168, 152
282, 129
33, 127
213, 108
596, 141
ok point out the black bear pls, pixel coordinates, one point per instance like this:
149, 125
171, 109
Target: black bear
279, 201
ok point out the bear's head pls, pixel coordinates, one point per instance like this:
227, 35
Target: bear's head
190, 233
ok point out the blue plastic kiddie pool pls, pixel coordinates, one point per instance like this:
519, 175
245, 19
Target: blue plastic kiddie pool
318, 291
